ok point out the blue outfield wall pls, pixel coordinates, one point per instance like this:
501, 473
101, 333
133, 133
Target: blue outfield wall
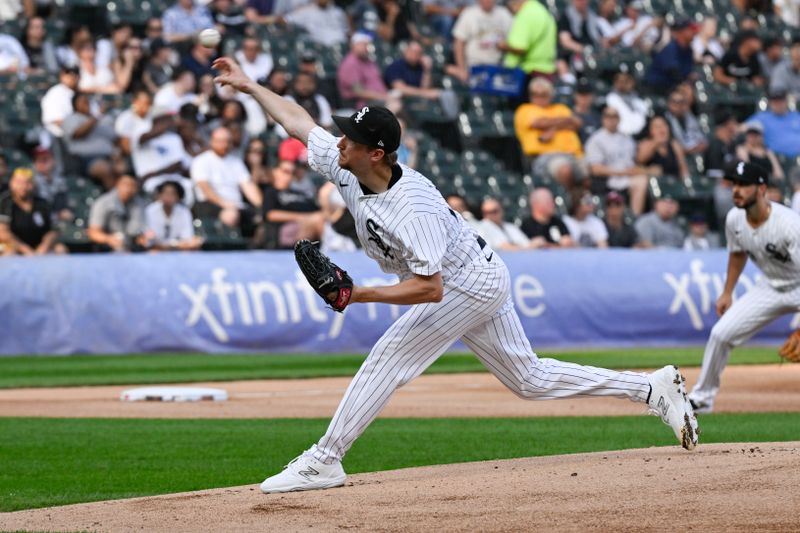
258, 301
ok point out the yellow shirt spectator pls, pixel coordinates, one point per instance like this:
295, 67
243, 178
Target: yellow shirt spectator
536, 141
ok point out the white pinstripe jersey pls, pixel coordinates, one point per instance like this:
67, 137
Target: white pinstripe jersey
774, 246
408, 229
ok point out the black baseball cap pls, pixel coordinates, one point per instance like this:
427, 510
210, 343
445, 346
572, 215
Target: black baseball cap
747, 173
374, 126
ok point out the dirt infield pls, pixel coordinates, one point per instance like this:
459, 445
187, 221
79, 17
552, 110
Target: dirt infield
755, 388
720, 487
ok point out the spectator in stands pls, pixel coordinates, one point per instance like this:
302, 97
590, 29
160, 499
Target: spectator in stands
611, 156
324, 21
786, 75
684, 125
57, 101
290, 214
133, 118
189, 130
659, 228
278, 80
586, 228
754, 151
584, 109
178, 92
781, 126
304, 93
13, 59
261, 12
158, 154
636, 30
410, 75
478, 31
606, 18
699, 237
442, 14
458, 204
255, 62
116, 219
153, 31
674, 63
88, 136
229, 18
111, 49
544, 227
632, 109
771, 56
168, 222
27, 218
577, 29
741, 63
94, 78
660, 151
788, 11
531, 41
359, 78
548, 132
184, 20
296, 152
621, 233
722, 149
339, 229
408, 151
257, 162
74, 38
129, 65
705, 45
198, 60
158, 70
222, 184
39, 48
4, 177
499, 234
13, 9
383, 19
50, 184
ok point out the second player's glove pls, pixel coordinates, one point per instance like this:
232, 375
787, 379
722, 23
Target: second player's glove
325, 277
791, 348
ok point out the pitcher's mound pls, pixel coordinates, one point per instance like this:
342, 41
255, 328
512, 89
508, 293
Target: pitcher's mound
718, 487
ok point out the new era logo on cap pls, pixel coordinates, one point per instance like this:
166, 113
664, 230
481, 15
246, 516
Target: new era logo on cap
376, 127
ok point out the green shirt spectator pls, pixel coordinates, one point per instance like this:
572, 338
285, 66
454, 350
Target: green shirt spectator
533, 35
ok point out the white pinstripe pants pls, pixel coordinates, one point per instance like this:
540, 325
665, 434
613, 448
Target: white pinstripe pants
758, 307
477, 308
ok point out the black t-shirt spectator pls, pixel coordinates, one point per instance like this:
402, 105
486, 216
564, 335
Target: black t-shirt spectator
733, 66
583, 37
552, 231
400, 70
286, 200
717, 156
28, 227
622, 237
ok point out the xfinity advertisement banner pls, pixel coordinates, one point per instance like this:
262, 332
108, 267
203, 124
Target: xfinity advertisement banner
259, 302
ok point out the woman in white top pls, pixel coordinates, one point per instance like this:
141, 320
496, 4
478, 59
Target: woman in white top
705, 45
94, 79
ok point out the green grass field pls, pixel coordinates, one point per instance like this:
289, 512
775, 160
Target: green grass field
47, 371
49, 462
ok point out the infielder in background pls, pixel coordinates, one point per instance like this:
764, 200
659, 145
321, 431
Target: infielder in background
457, 287
770, 234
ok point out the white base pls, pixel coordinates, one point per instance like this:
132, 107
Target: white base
173, 394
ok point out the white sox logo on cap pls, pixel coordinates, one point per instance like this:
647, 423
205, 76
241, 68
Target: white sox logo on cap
360, 114
739, 167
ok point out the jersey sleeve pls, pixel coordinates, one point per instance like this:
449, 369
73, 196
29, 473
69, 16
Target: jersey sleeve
731, 235
424, 244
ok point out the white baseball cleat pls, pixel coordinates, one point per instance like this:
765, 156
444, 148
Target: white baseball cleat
305, 473
668, 400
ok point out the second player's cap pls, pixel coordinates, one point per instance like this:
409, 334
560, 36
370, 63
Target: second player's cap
747, 173
374, 126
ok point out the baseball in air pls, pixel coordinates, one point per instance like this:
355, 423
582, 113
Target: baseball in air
209, 38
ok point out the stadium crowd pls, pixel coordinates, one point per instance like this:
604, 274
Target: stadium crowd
135, 148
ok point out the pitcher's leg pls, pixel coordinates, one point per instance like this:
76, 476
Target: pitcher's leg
415, 341
745, 318
502, 346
